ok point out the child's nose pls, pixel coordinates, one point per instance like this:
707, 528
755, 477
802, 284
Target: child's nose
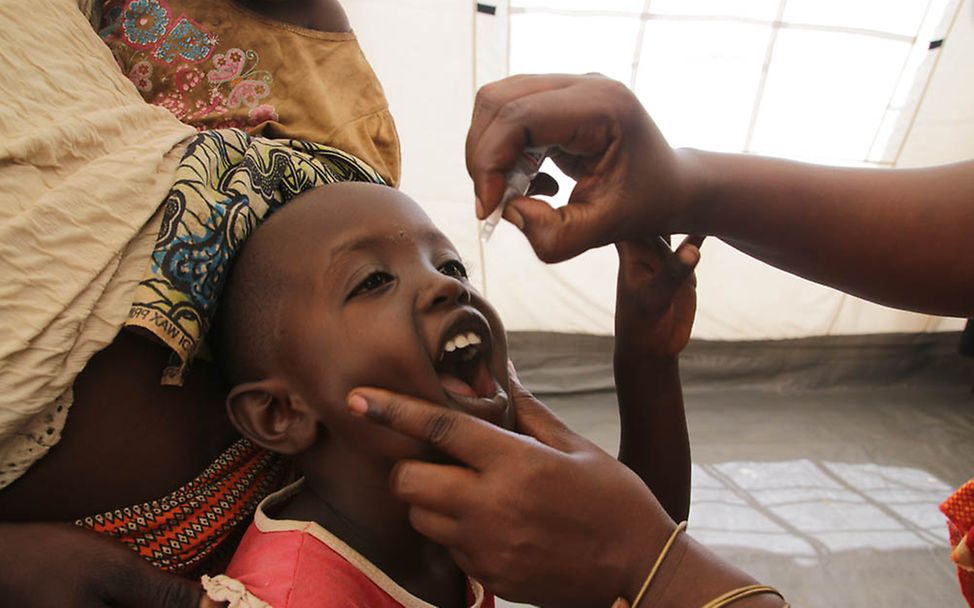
443, 290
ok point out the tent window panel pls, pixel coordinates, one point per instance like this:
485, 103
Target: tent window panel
843, 80
542, 43
839, 84
901, 17
764, 10
699, 80
614, 6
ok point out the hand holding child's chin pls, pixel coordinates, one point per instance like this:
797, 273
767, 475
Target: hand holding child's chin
525, 512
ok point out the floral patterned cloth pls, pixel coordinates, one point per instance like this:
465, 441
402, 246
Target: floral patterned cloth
216, 65
226, 184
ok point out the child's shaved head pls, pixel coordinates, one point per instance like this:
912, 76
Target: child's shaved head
265, 273
245, 327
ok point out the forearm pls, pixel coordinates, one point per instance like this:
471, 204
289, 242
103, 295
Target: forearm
654, 441
896, 237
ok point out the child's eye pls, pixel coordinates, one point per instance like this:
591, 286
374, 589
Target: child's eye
372, 282
454, 268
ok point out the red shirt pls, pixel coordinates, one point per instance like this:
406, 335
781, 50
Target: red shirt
297, 564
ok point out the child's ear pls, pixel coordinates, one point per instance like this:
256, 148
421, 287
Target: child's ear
266, 413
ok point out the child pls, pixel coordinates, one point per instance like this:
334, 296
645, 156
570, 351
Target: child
348, 285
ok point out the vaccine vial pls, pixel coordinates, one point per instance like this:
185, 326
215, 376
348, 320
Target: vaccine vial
518, 181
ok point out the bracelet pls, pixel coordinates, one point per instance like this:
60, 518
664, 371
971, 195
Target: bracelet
659, 562
719, 602
741, 593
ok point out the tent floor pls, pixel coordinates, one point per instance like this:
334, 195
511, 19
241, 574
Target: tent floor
819, 464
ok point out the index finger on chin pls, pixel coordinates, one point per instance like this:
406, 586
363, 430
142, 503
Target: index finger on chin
465, 438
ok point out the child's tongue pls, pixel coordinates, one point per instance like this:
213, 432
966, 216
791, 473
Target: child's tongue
456, 386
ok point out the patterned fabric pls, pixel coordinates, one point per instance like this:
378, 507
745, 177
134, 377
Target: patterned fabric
959, 509
155, 38
226, 184
180, 532
217, 65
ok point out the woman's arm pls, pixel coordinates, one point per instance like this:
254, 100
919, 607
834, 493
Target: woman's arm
897, 237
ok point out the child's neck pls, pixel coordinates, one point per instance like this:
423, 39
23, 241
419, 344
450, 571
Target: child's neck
367, 518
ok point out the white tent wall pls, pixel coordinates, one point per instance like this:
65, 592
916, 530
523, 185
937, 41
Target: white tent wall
940, 131
431, 55
943, 130
423, 53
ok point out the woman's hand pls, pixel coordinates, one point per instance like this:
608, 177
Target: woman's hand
44, 565
545, 517
630, 183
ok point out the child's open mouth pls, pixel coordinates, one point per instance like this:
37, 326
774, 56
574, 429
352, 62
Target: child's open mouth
463, 359
463, 366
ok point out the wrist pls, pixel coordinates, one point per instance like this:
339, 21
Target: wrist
645, 360
697, 187
645, 559
692, 576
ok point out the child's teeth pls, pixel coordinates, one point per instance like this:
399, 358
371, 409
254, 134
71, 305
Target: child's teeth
462, 341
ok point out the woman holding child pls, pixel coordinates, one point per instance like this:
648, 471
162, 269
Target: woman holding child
106, 197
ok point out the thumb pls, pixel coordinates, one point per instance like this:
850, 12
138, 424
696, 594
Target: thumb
536, 420
556, 234
688, 256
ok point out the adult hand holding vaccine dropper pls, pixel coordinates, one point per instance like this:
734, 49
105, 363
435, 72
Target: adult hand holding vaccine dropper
519, 180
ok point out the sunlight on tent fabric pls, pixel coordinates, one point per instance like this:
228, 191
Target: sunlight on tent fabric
625, 6
745, 9
897, 17
838, 83
808, 510
574, 46
703, 97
